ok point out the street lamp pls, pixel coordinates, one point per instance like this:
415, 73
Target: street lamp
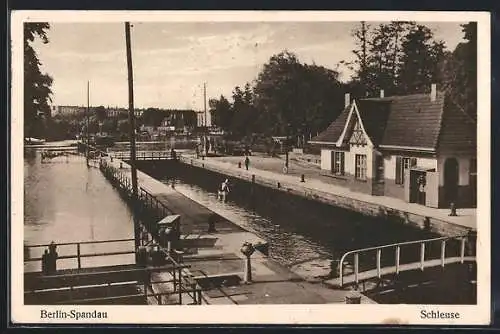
247, 249
287, 144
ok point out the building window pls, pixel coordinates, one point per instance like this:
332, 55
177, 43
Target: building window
360, 162
402, 164
338, 163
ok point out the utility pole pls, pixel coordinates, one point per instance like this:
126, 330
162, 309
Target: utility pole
131, 118
87, 118
205, 102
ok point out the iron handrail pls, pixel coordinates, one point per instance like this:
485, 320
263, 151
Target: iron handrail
398, 246
80, 242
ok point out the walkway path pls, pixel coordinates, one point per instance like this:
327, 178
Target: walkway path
271, 169
272, 283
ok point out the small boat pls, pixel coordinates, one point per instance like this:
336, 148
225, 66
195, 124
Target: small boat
31, 140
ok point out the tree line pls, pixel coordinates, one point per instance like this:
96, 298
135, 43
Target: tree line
289, 97
292, 98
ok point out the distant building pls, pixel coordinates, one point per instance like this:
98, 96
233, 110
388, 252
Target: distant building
115, 112
203, 119
410, 147
67, 110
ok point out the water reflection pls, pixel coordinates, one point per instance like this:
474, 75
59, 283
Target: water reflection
64, 201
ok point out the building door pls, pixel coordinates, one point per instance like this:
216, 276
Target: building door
432, 189
451, 180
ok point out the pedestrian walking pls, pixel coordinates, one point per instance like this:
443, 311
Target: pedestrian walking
247, 162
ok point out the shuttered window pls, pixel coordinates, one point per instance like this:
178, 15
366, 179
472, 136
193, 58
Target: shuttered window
402, 164
338, 165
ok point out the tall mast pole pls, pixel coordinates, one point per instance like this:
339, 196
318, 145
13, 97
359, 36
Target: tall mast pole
87, 119
131, 117
205, 102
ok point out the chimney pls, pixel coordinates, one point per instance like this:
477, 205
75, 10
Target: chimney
381, 93
347, 100
433, 92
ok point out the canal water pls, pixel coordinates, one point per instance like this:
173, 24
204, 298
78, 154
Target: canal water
65, 201
306, 235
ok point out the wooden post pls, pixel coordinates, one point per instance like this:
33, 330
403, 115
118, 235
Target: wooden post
131, 117
174, 280
462, 250
78, 256
422, 255
398, 256
180, 286
443, 252
379, 254
356, 267
198, 288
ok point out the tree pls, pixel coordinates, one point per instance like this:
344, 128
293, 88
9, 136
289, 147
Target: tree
243, 118
123, 126
294, 98
109, 125
37, 85
420, 62
399, 57
100, 113
153, 116
221, 112
459, 73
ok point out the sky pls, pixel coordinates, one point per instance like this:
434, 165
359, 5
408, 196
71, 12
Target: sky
172, 60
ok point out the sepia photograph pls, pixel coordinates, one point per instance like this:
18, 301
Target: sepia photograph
298, 162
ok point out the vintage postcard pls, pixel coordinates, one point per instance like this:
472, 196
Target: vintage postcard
190, 167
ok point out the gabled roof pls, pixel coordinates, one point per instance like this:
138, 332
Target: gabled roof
334, 130
406, 122
414, 121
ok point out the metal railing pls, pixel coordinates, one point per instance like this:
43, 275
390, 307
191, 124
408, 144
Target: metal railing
159, 210
182, 280
396, 248
143, 155
78, 250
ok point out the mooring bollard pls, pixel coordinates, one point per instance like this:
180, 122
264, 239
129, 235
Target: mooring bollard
142, 256
302, 178
279, 185
453, 210
427, 223
335, 268
247, 249
253, 178
121, 165
211, 224
353, 298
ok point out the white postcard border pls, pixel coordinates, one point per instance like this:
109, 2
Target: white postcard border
479, 314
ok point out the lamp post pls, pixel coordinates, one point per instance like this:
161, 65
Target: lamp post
247, 249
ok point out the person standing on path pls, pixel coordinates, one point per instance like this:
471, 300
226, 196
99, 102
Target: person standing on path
247, 162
